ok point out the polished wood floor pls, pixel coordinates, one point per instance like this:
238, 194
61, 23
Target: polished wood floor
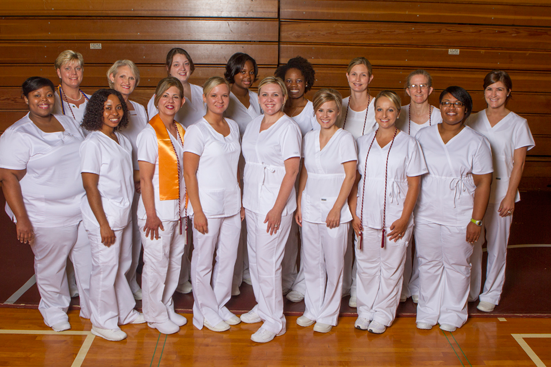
26, 341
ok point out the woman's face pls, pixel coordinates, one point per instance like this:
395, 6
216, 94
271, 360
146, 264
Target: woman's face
327, 114
180, 68
295, 83
170, 102
218, 99
41, 101
359, 78
71, 74
124, 81
496, 95
453, 110
271, 99
244, 79
386, 113
112, 113
419, 89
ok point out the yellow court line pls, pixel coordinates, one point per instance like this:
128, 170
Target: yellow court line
533, 356
83, 350
502, 319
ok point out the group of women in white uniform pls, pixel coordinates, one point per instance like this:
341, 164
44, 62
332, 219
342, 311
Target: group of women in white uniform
225, 162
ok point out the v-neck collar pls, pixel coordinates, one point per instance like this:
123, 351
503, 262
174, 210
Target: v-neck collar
318, 144
453, 138
499, 123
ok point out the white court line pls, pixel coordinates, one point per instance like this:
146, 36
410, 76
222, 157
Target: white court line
79, 359
14, 297
503, 319
533, 356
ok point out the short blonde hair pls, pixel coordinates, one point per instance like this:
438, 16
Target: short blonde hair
115, 68
274, 80
164, 85
213, 82
69, 56
392, 96
360, 61
327, 95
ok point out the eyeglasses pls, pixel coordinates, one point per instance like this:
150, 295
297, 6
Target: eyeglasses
456, 104
422, 86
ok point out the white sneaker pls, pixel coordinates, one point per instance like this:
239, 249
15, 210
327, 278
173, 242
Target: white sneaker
234, 320
250, 318
376, 328
138, 295
447, 327
361, 323
113, 335
262, 336
352, 302
294, 296
167, 327
177, 318
140, 319
185, 288
61, 326
322, 328
424, 326
485, 306
304, 321
415, 298
221, 326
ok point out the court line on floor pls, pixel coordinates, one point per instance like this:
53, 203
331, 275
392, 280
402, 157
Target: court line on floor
18, 293
155, 350
457, 355
464, 355
533, 356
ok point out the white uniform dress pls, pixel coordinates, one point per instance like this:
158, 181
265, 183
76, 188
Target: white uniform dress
220, 198
137, 122
265, 153
323, 247
163, 256
509, 134
52, 190
444, 209
191, 112
111, 300
380, 270
70, 109
410, 286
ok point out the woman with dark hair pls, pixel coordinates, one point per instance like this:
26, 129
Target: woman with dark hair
451, 206
108, 178
510, 138
39, 172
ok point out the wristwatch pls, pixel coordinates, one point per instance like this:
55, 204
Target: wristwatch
477, 222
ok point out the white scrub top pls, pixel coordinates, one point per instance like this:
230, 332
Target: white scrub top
137, 121
71, 109
306, 120
265, 153
112, 162
241, 114
413, 128
511, 133
219, 191
355, 120
191, 112
52, 187
447, 191
405, 160
148, 151
325, 174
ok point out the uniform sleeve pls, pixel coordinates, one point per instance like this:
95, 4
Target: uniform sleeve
416, 164
15, 150
291, 142
482, 160
90, 157
148, 150
194, 141
523, 136
151, 109
347, 149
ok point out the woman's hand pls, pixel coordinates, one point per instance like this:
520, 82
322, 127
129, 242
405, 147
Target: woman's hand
473, 232
152, 225
138, 187
356, 225
273, 218
298, 216
333, 219
507, 207
398, 229
25, 233
200, 222
242, 214
107, 235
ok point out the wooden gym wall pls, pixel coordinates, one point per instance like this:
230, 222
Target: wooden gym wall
397, 36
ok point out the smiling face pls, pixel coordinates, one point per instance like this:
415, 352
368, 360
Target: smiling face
359, 78
496, 95
41, 101
244, 79
170, 102
386, 113
71, 74
454, 112
327, 114
217, 99
112, 113
180, 68
124, 82
271, 98
419, 89
295, 83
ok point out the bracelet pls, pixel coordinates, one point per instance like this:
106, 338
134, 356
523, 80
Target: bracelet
477, 222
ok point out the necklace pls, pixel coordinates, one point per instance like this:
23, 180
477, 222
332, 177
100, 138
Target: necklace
179, 184
409, 118
365, 119
74, 100
363, 189
62, 94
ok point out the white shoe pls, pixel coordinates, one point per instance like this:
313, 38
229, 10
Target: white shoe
221, 326
352, 302
361, 323
234, 320
247, 277
235, 291
138, 295
294, 296
250, 318
61, 326
485, 306
376, 328
113, 335
447, 327
403, 299
140, 319
424, 326
262, 336
167, 327
415, 298
185, 288
304, 321
322, 328
177, 318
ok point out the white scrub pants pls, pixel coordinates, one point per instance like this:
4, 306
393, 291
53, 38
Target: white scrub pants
111, 299
212, 285
265, 257
242, 260
445, 270
136, 246
413, 284
289, 263
379, 275
52, 247
161, 270
185, 268
323, 260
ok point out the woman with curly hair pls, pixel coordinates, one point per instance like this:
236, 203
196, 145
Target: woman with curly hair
107, 176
